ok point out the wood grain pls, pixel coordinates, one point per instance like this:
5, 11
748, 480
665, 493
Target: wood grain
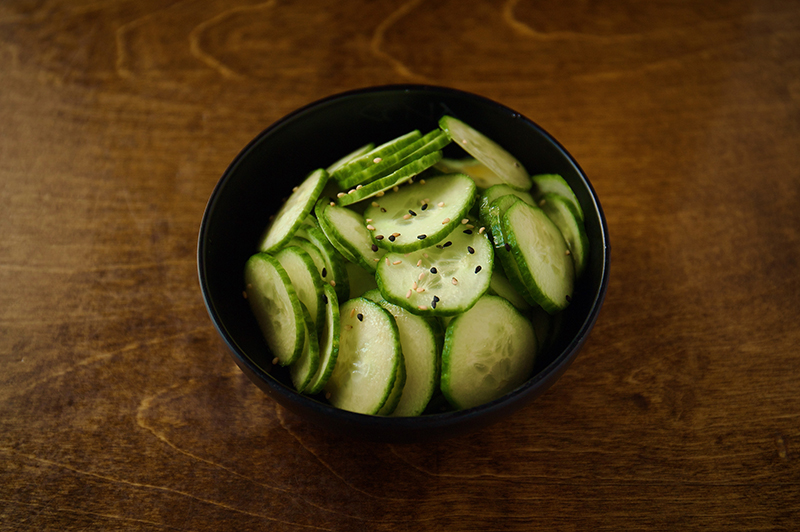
119, 406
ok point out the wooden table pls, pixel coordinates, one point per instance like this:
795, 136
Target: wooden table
120, 408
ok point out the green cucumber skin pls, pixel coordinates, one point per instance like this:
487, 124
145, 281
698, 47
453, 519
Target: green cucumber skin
564, 214
333, 259
312, 272
366, 160
303, 369
288, 357
547, 183
347, 246
506, 258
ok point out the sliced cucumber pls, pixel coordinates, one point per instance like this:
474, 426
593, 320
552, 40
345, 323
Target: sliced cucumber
546, 183
345, 229
421, 214
441, 280
329, 342
488, 351
542, 324
497, 191
375, 156
369, 351
275, 306
304, 368
305, 279
294, 211
429, 143
333, 272
487, 151
399, 176
358, 152
541, 254
479, 172
562, 212
502, 250
400, 377
420, 341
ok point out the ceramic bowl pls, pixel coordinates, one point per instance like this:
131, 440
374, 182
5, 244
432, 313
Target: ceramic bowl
267, 169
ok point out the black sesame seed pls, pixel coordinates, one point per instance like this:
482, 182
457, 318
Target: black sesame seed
447, 244
424, 206
508, 246
477, 269
374, 247
391, 238
383, 210
467, 231
435, 299
412, 213
470, 249
325, 298
422, 237
360, 317
433, 303
434, 270
324, 272
379, 237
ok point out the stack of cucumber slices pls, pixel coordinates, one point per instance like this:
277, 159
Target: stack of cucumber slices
396, 278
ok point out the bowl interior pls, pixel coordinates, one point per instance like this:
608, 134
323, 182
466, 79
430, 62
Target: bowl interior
264, 173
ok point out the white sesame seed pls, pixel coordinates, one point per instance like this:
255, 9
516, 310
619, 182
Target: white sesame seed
328, 395
408, 294
440, 204
446, 221
406, 216
376, 160
359, 187
370, 227
244, 294
351, 191
375, 204
420, 289
381, 193
397, 262
275, 360
481, 230
419, 262
395, 188
455, 281
464, 221
421, 181
567, 252
421, 275
414, 286
341, 195
368, 220
333, 204
295, 189
333, 283
422, 307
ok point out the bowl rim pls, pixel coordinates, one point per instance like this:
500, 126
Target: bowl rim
553, 370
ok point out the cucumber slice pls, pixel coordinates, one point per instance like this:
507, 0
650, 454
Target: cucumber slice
497, 191
361, 281
401, 175
345, 229
420, 342
488, 351
441, 280
369, 351
293, 212
487, 151
305, 279
429, 143
275, 306
400, 377
562, 212
329, 342
421, 214
358, 152
541, 254
479, 172
542, 324
368, 159
502, 252
546, 183
333, 272
307, 363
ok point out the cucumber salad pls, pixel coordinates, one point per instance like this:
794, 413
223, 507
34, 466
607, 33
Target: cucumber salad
397, 278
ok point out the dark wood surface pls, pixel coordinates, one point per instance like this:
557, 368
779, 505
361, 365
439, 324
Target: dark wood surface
120, 408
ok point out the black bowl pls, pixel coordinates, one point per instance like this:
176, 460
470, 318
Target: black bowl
265, 172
